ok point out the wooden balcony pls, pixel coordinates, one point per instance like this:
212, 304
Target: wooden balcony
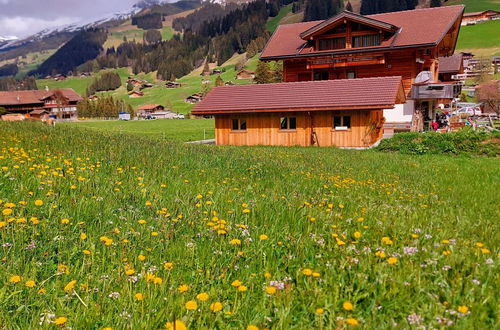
425, 91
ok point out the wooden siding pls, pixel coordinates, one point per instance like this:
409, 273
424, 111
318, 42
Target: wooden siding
402, 63
264, 129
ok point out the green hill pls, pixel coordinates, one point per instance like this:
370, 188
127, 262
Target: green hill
475, 5
159, 94
482, 39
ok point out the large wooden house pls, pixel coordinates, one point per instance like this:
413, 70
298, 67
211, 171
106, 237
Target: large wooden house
349, 48
60, 103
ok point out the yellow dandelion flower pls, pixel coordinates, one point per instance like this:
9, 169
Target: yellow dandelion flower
141, 257
130, 272
320, 311
348, 306
485, 250
252, 327
38, 202
380, 254
15, 279
176, 325
357, 235
83, 236
30, 284
87, 252
463, 309
216, 307
263, 237
270, 290
351, 321
235, 241
392, 260
7, 212
70, 286
61, 320
307, 271
158, 280
236, 283
139, 296
42, 291
191, 305
64, 221
242, 288
183, 288
202, 296
168, 265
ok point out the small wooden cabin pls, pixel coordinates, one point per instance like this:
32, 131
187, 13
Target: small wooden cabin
343, 113
135, 94
148, 109
245, 74
480, 16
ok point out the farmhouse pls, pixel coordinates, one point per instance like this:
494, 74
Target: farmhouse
59, 102
135, 94
172, 84
349, 46
245, 74
480, 16
344, 113
148, 109
193, 99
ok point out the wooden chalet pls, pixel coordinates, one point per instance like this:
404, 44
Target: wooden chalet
172, 84
148, 109
135, 94
350, 46
480, 16
61, 103
193, 99
343, 113
245, 74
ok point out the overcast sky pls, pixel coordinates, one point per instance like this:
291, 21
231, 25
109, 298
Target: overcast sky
22, 18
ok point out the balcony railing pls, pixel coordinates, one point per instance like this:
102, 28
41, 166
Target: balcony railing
435, 91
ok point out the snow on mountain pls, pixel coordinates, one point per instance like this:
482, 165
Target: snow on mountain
8, 38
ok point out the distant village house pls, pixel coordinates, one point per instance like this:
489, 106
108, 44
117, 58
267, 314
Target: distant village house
245, 74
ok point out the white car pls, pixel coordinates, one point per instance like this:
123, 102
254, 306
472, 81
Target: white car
472, 111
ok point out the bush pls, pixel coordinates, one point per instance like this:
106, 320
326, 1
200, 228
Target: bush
464, 142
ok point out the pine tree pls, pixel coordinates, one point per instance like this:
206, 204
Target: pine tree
206, 68
348, 7
435, 3
219, 81
263, 73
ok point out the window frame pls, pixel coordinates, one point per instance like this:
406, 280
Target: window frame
240, 123
360, 37
331, 42
288, 124
342, 127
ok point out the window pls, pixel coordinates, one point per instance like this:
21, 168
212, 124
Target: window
351, 75
239, 125
288, 123
341, 123
333, 43
322, 75
366, 40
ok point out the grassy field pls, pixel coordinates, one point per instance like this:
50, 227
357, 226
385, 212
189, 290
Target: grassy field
475, 5
100, 229
482, 39
171, 130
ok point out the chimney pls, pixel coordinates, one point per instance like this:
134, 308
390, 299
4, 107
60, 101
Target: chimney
18, 98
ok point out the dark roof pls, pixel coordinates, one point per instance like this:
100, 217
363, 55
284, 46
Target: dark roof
35, 96
451, 64
366, 93
426, 26
476, 13
38, 112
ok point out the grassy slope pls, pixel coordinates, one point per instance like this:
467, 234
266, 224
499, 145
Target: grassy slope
481, 39
432, 210
172, 130
273, 23
476, 5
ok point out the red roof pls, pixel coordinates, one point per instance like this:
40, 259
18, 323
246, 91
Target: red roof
35, 96
451, 64
478, 13
366, 93
149, 106
425, 26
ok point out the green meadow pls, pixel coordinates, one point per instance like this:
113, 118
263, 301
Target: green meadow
104, 229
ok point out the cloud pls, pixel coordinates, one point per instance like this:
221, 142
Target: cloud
23, 26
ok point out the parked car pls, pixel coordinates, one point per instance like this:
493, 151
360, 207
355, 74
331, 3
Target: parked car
179, 116
149, 117
471, 111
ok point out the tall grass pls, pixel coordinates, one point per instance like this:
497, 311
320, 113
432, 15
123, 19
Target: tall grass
318, 237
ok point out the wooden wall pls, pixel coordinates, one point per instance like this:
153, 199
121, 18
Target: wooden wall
398, 63
264, 129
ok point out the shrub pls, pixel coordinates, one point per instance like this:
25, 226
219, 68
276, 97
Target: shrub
464, 142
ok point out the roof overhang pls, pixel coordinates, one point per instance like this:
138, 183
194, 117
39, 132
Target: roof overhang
342, 18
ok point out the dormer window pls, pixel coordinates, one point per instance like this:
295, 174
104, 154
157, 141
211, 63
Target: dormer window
366, 40
332, 43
